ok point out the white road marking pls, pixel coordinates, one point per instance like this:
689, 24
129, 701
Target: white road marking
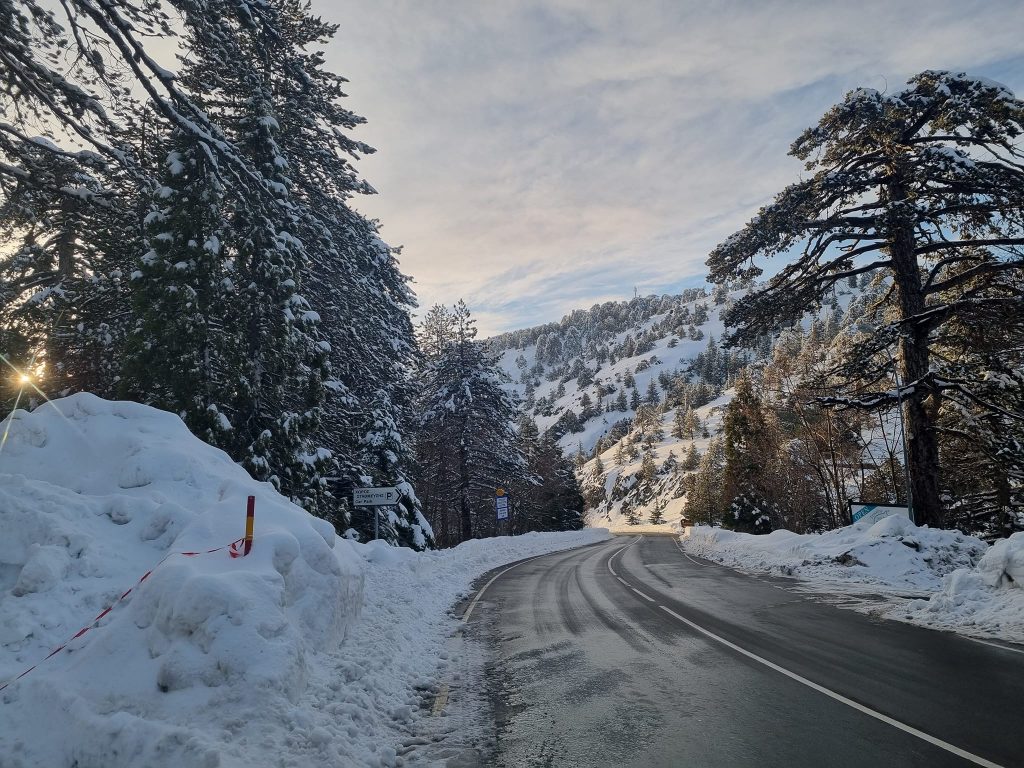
609, 563
687, 556
838, 696
472, 605
645, 597
997, 645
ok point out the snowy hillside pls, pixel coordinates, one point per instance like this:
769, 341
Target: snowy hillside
573, 376
636, 391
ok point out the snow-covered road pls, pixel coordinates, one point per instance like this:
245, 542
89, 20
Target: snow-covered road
632, 653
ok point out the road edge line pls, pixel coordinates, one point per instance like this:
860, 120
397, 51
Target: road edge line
480, 593
619, 552
951, 748
686, 554
476, 599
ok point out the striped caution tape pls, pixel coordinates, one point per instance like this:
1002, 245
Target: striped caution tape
238, 548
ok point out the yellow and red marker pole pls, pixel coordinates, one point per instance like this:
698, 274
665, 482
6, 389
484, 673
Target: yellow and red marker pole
250, 515
246, 541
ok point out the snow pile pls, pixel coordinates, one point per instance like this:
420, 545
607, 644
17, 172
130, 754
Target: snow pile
986, 600
311, 651
963, 584
891, 555
93, 494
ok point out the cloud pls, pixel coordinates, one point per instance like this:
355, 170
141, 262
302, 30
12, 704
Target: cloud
556, 153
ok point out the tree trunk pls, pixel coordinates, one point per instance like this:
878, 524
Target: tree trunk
465, 509
914, 358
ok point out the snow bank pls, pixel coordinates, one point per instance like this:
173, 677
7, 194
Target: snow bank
312, 651
92, 495
963, 584
891, 555
987, 600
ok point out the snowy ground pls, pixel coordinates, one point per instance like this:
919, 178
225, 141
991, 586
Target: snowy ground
935, 578
311, 651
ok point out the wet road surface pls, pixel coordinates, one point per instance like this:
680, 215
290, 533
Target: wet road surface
631, 653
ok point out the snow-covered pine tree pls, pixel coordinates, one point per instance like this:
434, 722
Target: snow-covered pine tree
63, 303
182, 353
692, 459
241, 60
467, 445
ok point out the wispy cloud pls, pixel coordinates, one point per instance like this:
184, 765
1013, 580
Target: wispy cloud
538, 156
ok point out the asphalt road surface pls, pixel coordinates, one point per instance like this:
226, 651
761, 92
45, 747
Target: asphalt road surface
631, 653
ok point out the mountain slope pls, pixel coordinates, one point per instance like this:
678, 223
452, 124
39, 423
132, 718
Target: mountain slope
637, 391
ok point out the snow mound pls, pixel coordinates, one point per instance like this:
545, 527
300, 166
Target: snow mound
986, 600
891, 555
955, 582
93, 494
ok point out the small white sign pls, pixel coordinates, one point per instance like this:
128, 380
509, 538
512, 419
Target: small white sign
375, 497
501, 507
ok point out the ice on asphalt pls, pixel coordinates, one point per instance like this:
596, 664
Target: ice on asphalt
312, 650
943, 579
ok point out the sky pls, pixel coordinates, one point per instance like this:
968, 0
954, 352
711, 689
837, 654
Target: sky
537, 157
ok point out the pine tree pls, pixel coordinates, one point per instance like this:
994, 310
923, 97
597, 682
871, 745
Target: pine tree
634, 400
658, 512
896, 185
620, 401
467, 446
652, 397
704, 501
692, 459
620, 455
751, 462
183, 351
648, 469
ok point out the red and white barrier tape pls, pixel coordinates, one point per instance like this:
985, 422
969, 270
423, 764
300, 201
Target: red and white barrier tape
237, 548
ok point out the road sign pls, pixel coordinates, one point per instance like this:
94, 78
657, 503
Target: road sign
501, 503
375, 497
869, 514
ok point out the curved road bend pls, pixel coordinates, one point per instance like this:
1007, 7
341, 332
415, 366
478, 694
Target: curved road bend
631, 654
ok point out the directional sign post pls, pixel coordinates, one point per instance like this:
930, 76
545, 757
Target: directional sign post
501, 503
375, 497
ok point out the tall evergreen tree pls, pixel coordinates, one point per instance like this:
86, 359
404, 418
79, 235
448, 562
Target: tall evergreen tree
467, 443
183, 351
751, 462
919, 183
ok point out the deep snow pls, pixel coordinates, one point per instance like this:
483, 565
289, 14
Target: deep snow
938, 578
311, 651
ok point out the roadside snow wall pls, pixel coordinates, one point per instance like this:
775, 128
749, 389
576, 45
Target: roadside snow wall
986, 600
92, 495
932, 577
892, 554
